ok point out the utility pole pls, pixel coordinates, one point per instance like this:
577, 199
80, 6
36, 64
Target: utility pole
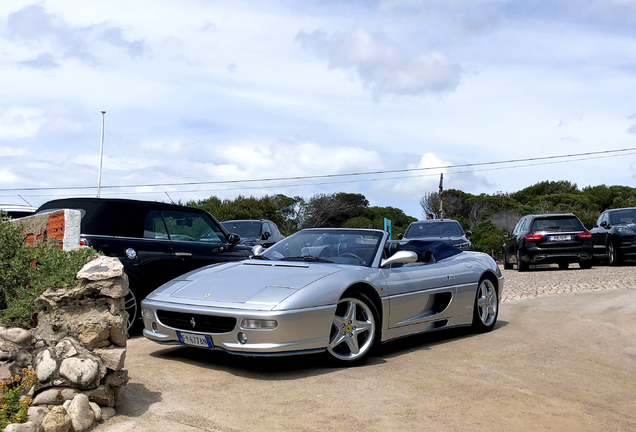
101, 155
441, 192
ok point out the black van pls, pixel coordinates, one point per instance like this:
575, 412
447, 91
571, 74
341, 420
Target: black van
155, 241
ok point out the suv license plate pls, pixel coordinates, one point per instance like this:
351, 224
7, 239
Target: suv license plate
560, 238
195, 340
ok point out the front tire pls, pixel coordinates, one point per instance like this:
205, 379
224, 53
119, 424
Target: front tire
355, 329
132, 307
612, 255
486, 308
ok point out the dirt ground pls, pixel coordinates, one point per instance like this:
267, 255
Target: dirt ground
561, 363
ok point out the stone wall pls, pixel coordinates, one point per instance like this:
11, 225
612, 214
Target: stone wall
78, 350
61, 228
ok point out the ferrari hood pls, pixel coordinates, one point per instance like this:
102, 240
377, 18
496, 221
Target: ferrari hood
254, 281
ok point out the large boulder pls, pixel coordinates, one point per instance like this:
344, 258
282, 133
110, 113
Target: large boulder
83, 372
17, 336
81, 413
57, 420
101, 268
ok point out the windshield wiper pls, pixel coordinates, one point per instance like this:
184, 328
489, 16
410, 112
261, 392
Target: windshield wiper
306, 258
261, 257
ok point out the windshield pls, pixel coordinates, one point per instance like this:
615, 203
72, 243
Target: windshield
558, 224
244, 229
355, 247
622, 216
434, 229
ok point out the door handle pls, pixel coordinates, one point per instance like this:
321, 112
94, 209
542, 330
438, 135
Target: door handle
183, 254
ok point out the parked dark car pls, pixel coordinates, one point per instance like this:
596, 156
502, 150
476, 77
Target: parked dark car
17, 211
155, 242
548, 239
447, 230
255, 232
614, 234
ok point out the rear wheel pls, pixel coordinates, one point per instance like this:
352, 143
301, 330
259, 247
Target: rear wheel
564, 266
586, 264
486, 308
354, 330
612, 254
521, 265
132, 307
507, 265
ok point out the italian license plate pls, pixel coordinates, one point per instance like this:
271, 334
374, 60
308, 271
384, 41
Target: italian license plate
195, 340
559, 238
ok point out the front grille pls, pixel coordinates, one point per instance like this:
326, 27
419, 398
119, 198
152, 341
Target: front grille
627, 241
202, 323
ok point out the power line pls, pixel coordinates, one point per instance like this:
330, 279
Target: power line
346, 181
324, 175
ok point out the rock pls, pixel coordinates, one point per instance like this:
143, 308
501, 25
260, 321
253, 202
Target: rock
17, 335
22, 427
54, 396
103, 396
65, 349
113, 358
4, 356
37, 413
115, 288
108, 413
6, 369
67, 404
96, 410
117, 378
95, 333
101, 268
57, 420
119, 329
45, 365
81, 413
84, 372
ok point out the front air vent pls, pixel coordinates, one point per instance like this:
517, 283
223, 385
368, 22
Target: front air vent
196, 322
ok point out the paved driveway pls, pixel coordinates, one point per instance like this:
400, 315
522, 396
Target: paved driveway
564, 362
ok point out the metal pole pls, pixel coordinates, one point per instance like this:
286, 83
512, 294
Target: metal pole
101, 155
441, 192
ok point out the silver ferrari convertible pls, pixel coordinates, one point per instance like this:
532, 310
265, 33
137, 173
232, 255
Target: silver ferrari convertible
340, 290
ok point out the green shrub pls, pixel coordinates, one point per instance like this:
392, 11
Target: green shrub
12, 410
26, 272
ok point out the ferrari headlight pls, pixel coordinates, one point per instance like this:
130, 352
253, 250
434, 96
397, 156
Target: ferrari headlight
258, 324
147, 313
624, 230
465, 245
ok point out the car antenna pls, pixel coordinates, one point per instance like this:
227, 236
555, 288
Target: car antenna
169, 197
25, 200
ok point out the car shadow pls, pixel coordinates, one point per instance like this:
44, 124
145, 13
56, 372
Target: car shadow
303, 366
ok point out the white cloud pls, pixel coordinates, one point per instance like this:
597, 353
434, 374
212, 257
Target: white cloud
162, 146
20, 122
381, 65
9, 151
8, 177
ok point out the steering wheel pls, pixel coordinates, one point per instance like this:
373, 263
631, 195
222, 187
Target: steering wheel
351, 255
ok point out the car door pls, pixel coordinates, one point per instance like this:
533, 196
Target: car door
514, 242
197, 241
599, 234
419, 292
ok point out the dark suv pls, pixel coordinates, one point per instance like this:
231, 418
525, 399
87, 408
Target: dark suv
614, 235
447, 230
254, 232
155, 242
548, 239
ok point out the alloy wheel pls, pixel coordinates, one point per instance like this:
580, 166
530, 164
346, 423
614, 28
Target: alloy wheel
130, 305
611, 254
352, 331
487, 302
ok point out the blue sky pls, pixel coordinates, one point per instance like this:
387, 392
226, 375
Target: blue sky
209, 91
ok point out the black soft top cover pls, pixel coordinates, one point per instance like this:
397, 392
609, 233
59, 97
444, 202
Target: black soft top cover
113, 217
440, 249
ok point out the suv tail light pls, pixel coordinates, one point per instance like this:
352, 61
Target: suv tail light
585, 235
533, 237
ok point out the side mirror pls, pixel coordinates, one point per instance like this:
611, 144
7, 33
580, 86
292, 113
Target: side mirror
469, 233
265, 235
400, 257
257, 250
233, 239
605, 225
506, 234
400, 236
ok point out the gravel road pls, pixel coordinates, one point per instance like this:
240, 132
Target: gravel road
554, 362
